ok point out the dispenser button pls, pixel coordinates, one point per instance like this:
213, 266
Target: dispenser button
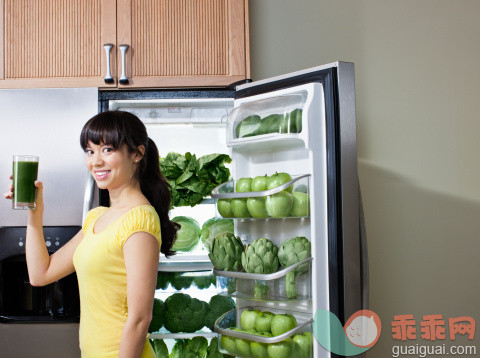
48, 243
20, 244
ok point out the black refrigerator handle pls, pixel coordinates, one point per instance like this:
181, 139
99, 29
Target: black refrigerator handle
363, 254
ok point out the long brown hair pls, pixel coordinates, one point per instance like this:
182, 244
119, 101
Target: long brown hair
117, 128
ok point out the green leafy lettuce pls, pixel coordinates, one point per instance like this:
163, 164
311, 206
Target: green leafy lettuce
192, 179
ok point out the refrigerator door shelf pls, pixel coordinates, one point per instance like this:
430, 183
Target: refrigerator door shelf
266, 204
231, 319
268, 287
279, 115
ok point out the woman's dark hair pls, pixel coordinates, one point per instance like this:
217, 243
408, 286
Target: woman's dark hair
117, 128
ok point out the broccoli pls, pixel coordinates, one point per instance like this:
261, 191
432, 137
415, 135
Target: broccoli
159, 347
203, 282
217, 306
157, 315
184, 314
190, 348
213, 352
163, 279
181, 281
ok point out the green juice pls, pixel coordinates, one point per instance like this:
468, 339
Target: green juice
24, 176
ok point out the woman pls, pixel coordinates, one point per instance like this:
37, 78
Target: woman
116, 253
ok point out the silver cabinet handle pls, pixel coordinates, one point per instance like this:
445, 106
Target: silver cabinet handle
123, 78
108, 77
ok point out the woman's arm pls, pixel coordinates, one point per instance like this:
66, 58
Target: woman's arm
141, 253
43, 268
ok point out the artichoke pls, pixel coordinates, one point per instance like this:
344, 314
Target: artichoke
291, 252
226, 254
261, 257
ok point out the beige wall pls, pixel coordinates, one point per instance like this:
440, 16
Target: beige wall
417, 87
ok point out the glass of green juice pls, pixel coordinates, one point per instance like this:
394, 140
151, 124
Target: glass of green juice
25, 170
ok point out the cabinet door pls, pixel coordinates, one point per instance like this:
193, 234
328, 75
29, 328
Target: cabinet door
56, 43
182, 42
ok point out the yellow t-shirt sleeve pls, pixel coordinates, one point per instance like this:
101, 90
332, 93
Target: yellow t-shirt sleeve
140, 219
91, 217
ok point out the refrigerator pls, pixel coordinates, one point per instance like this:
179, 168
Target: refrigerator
319, 152
47, 123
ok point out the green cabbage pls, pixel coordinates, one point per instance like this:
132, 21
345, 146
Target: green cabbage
214, 227
188, 234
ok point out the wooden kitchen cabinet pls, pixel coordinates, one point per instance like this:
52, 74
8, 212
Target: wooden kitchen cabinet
55, 43
171, 43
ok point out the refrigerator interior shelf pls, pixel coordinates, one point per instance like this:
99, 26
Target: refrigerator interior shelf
228, 321
261, 276
168, 335
183, 262
218, 192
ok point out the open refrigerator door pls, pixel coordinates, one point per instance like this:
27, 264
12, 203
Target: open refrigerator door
292, 247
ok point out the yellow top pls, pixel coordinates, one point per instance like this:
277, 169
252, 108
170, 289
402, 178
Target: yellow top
102, 279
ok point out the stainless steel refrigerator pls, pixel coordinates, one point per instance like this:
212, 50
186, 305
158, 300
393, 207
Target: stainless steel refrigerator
47, 123
321, 150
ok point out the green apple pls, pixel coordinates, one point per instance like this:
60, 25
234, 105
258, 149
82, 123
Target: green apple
278, 179
283, 349
224, 208
278, 205
263, 322
247, 319
302, 188
282, 323
259, 350
239, 208
228, 342
243, 345
300, 204
304, 344
256, 207
243, 185
259, 183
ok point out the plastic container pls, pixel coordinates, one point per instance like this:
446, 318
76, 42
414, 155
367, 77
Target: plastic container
242, 344
271, 116
289, 200
267, 287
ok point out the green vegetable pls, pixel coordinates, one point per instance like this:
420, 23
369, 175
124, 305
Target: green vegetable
188, 234
159, 347
157, 315
261, 256
217, 306
192, 179
181, 280
270, 124
163, 279
291, 252
227, 252
261, 291
214, 227
184, 314
190, 348
204, 281
213, 352
248, 127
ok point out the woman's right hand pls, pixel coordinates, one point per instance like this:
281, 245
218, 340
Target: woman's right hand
9, 194
38, 201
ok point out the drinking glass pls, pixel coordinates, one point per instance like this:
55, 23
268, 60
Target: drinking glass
25, 170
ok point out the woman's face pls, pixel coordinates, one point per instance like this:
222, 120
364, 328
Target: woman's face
110, 168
